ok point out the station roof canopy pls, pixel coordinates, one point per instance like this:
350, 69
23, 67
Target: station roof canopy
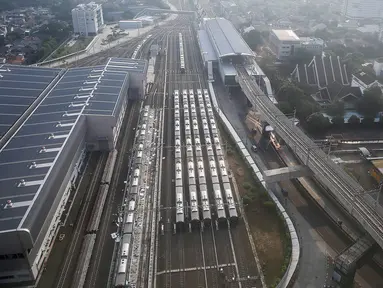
206, 46
225, 38
27, 158
127, 65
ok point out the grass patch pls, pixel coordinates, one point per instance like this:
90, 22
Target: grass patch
268, 228
81, 44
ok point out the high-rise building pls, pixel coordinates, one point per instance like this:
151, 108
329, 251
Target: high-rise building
362, 9
87, 19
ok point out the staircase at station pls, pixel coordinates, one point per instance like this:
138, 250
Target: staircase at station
347, 262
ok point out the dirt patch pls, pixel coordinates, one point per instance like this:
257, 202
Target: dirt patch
266, 226
360, 172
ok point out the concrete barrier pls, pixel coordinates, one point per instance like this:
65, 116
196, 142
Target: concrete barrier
286, 280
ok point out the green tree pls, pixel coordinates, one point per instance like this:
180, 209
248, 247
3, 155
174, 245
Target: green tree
301, 55
253, 39
285, 107
317, 123
371, 103
354, 120
289, 92
338, 120
368, 121
336, 109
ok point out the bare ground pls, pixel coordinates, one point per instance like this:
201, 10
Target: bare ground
266, 227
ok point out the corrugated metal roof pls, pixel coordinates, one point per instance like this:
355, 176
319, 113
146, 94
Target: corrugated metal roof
225, 38
28, 157
206, 46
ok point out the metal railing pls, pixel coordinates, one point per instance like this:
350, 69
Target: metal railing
344, 188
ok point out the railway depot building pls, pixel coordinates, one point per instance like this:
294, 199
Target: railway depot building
50, 118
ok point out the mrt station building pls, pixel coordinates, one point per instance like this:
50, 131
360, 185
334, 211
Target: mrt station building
222, 48
50, 118
222, 45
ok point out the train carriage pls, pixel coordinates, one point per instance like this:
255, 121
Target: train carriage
218, 150
221, 215
194, 213
206, 212
210, 151
136, 176
128, 227
201, 171
182, 56
121, 274
232, 209
178, 173
125, 249
180, 209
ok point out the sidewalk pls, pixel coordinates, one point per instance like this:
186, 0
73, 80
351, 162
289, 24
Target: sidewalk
313, 269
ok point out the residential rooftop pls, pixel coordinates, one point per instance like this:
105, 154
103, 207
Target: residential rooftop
285, 35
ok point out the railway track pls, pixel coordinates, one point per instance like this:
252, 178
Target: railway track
80, 225
347, 190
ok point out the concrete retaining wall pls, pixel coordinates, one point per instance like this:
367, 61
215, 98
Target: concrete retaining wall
90, 45
295, 245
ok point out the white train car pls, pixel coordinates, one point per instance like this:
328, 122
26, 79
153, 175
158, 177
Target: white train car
177, 145
182, 56
131, 205
180, 209
210, 151
198, 149
221, 215
201, 171
223, 171
191, 171
138, 159
121, 274
136, 177
129, 222
125, 249
178, 173
218, 150
189, 147
213, 170
143, 129
206, 212
233, 214
202, 111
194, 212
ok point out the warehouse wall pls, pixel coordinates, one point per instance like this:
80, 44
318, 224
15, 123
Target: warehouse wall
47, 202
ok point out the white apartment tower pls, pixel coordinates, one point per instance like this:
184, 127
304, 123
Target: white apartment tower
362, 9
87, 19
